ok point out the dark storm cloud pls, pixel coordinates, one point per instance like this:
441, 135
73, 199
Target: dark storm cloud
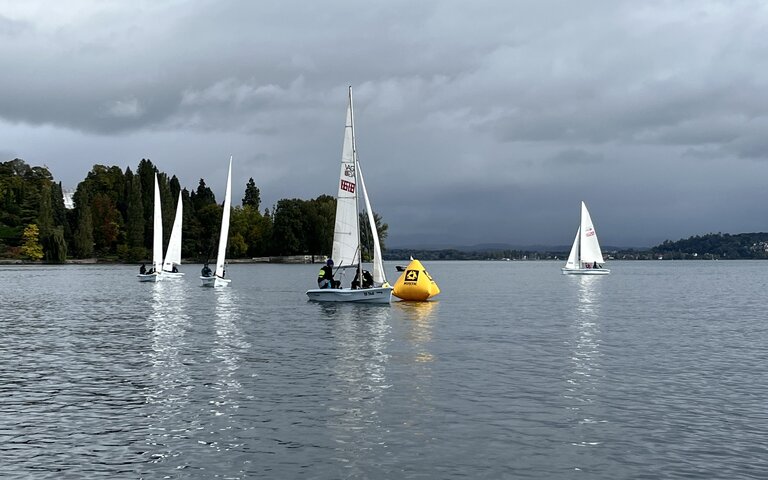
499, 116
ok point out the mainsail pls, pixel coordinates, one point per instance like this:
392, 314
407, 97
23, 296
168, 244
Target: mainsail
173, 254
157, 231
590, 247
346, 233
222, 254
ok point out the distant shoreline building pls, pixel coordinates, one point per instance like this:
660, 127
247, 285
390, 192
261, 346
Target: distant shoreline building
68, 194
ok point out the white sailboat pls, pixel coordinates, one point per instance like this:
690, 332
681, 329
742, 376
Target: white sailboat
585, 257
217, 279
155, 272
346, 232
173, 253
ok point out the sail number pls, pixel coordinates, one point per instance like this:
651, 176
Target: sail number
348, 186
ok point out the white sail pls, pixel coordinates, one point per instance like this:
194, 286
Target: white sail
173, 253
224, 234
346, 233
590, 247
378, 266
157, 232
573, 257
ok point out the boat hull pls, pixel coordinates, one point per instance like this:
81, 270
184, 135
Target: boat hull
585, 271
173, 274
152, 277
214, 282
361, 295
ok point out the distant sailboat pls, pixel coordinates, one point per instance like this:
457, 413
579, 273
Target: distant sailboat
173, 253
217, 279
155, 273
585, 257
346, 232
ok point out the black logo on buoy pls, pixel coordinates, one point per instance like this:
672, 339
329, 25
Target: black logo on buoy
411, 275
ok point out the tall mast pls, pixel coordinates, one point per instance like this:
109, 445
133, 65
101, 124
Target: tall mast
357, 190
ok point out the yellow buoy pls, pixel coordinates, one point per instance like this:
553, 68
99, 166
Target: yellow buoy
415, 283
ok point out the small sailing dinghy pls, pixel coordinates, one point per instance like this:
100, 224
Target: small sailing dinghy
155, 272
346, 232
173, 253
585, 257
217, 278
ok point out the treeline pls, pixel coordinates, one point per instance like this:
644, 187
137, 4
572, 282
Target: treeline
715, 245
112, 217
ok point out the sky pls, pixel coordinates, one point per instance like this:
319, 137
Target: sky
476, 122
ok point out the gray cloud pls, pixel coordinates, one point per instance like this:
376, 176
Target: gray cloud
499, 116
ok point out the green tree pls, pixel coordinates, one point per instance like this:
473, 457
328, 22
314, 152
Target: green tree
135, 223
84, 234
288, 231
54, 246
366, 236
31, 247
106, 223
252, 196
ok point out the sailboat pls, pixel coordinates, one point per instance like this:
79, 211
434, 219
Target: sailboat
173, 253
585, 257
217, 279
346, 232
155, 272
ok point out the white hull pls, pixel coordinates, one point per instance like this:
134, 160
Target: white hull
586, 271
361, 295
173, 274
152, 277
214, 281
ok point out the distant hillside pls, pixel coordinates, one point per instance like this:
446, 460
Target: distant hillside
709, 246
716, 245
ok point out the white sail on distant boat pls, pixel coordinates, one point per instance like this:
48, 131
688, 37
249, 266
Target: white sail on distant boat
585, 257
346, 232
155, 272
217, 279
173, 253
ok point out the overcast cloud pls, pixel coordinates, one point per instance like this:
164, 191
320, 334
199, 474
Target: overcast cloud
476, 122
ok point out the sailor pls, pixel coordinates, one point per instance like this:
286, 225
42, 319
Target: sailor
367, 280
206, 271
595, 265
174, 269
142, 270
325, 277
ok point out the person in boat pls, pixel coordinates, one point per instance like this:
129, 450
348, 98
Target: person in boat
325, 277
206, 271
367, 280
174, 269
142, 270
595, 265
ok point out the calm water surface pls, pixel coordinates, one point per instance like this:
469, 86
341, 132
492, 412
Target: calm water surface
515, 371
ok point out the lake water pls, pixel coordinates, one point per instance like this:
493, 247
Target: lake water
514, 371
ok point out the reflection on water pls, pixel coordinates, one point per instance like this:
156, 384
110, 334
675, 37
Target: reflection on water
227, 352
171, 384
421, 315
583, 382
360, 333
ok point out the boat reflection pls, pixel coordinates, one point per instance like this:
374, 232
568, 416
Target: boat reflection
170, 381
361, 334
421, 316
227, 349
583, 388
